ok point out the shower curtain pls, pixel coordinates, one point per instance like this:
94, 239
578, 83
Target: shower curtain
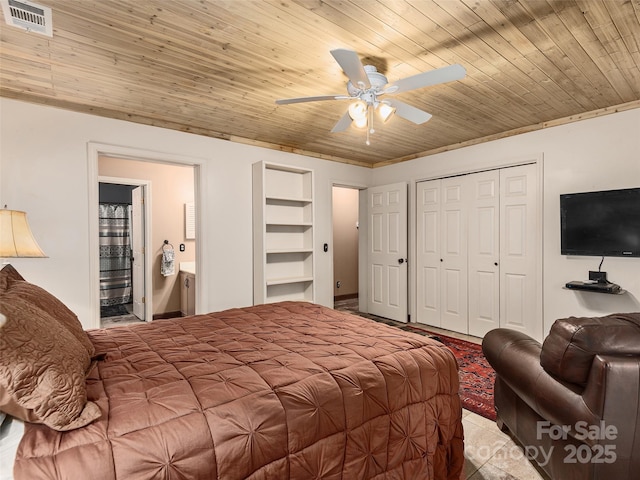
115, 254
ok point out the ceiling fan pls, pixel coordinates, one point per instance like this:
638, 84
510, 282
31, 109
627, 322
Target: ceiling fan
366, 85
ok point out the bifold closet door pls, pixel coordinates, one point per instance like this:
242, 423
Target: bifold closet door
442, 253
519, 251
428, 252
477, 252
484, 252
453, 254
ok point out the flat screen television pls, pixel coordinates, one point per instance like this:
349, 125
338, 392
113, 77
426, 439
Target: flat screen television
602, 224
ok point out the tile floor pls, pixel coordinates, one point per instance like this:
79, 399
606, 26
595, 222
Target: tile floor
491, 454
117, 320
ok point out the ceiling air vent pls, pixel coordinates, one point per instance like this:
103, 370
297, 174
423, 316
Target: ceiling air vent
28, 15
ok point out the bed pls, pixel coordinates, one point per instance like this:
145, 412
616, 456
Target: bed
290, 390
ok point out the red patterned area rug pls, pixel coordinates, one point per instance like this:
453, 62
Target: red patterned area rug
476, 375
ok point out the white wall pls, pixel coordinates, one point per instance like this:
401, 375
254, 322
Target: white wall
44, 171
597, 154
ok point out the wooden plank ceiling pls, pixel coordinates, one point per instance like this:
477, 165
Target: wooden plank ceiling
215, 67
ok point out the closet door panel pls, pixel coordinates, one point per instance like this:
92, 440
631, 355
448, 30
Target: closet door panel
428, 249
484, 252
453, 297
518, 268
430, 296
515, 291
453, 258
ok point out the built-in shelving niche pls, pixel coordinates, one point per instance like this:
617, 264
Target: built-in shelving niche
283, 233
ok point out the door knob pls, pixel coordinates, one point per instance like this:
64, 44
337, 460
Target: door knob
402, 260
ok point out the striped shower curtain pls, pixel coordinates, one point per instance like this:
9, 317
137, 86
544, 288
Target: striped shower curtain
115, 254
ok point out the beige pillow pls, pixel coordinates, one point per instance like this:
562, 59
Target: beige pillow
42, 368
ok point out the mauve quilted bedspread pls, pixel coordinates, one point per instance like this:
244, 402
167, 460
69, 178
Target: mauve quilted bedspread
281, 391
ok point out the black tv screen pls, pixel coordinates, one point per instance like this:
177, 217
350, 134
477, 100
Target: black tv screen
603, 224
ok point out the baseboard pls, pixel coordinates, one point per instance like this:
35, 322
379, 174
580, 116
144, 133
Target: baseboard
162, 316
348, 296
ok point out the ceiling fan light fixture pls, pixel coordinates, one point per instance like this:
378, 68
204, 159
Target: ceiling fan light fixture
385, 111
358, 110
366, 85
360, 122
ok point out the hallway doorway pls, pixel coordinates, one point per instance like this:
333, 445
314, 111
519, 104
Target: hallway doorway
345, 244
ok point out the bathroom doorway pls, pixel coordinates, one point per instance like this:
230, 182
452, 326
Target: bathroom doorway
130, 156
168, 197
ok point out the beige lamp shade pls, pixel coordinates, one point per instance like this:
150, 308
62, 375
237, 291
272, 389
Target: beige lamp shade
16, 239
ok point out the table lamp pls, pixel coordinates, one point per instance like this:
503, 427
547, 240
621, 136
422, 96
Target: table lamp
16, 239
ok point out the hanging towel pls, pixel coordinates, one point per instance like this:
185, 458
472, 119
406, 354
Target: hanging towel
167, 266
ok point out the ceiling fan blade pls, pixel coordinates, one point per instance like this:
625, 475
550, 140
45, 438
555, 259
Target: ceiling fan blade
343, 123
352, 67
425, 79
286, 101
409, 112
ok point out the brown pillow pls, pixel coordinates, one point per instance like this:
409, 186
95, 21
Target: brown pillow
7, 275
51, 305
42, 369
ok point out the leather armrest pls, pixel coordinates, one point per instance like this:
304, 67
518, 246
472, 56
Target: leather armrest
616, 379
516, 359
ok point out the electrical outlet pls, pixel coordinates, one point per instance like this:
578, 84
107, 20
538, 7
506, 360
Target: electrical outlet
338, 284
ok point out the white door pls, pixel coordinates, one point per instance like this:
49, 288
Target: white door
428, 249
387, 251
453, 255
519, 251
478, 248
484, 252
137, 247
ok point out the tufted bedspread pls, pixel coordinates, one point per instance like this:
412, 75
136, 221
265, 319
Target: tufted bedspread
281, 391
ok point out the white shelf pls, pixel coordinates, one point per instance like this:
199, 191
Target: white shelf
283, 233
287, 280
290, 291
290, 224
288, 199
278, 251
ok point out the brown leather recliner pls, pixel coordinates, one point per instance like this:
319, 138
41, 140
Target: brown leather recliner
573, 402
